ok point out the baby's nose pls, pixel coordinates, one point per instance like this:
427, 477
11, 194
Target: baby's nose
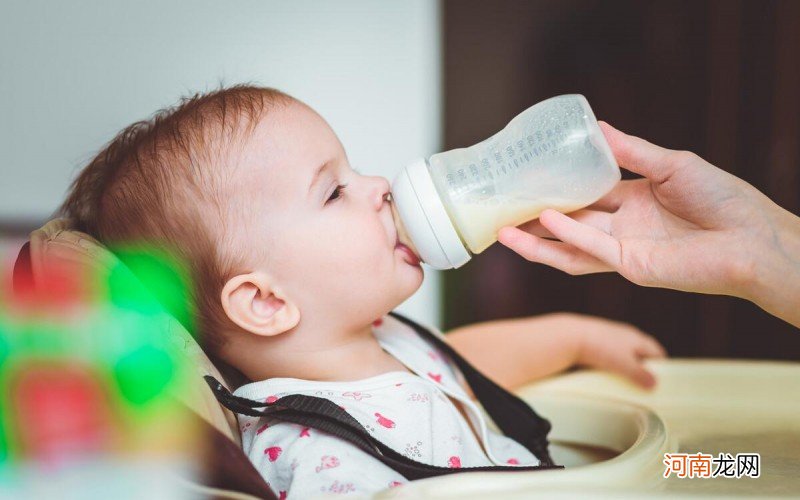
381, 192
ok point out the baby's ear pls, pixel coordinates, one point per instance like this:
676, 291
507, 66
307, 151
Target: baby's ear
251, 301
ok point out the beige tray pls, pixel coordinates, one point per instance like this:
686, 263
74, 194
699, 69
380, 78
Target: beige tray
612, 436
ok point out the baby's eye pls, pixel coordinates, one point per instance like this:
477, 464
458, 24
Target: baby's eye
337, 192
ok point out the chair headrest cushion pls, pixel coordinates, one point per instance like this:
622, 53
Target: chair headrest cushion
57, 243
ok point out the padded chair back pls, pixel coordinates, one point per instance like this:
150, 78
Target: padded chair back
58, 247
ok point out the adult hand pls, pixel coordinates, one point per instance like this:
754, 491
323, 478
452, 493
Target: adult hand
687, 225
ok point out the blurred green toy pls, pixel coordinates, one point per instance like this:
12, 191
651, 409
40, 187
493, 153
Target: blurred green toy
88, 369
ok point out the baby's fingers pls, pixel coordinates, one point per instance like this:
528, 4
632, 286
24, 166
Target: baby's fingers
651, 348
634, 369
552, 253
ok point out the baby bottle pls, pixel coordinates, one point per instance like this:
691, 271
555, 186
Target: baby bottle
552, 155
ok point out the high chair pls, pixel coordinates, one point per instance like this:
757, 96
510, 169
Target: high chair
611, 436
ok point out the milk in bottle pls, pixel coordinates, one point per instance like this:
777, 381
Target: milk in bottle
552, 155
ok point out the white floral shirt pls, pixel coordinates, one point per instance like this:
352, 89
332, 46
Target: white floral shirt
413, 413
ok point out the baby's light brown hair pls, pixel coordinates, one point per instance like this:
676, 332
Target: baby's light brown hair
162, 182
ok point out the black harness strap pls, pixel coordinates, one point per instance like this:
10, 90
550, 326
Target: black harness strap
512, 415
322, 414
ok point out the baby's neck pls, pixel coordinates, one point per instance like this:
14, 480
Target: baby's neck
358, 357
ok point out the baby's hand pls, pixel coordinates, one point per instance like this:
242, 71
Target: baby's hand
620, 348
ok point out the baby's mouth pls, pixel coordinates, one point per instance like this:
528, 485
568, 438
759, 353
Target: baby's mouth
408, 255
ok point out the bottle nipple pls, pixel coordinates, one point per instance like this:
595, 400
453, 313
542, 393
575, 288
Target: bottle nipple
402, 232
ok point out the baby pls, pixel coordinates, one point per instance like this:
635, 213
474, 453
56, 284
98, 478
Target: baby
296, 265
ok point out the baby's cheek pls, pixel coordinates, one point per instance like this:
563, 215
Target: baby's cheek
366, 248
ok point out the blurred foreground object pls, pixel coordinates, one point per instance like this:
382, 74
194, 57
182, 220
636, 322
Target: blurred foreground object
89, 371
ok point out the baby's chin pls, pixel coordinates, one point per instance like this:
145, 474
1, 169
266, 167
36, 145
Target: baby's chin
406, 284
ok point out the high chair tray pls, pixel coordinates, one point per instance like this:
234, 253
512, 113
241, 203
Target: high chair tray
613, 436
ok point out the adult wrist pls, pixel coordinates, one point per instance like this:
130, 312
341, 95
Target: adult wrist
775, 281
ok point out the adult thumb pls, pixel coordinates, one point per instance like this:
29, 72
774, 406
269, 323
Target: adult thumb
638, 155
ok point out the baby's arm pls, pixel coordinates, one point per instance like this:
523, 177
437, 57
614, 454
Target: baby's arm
516, 351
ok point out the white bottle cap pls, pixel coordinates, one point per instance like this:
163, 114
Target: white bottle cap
426, 219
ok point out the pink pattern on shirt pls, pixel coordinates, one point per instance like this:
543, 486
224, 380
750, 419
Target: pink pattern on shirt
419, 397
273, 452
436, 376
338, 487
389, 424
358, 396
328, 462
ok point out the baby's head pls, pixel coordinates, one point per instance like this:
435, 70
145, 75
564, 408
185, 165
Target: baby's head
289, 248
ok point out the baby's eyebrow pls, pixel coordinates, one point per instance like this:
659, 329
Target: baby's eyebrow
325, 166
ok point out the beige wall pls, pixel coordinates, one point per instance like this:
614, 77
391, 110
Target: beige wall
74, 73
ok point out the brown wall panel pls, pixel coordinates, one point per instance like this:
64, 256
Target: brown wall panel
720, 78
